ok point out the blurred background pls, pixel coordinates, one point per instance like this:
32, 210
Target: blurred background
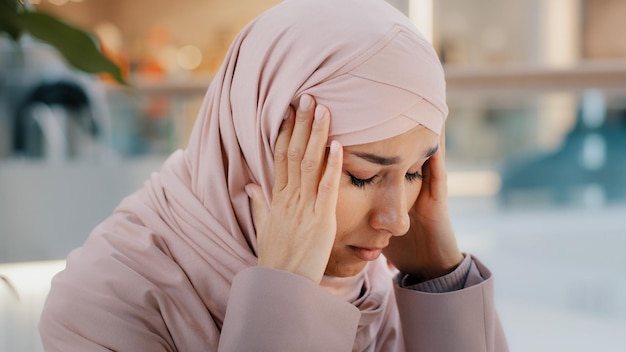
536, 147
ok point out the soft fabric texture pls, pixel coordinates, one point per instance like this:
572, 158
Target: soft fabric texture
463, 320
157, 274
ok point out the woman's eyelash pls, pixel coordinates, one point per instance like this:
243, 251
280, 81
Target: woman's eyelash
412, 177
361, 183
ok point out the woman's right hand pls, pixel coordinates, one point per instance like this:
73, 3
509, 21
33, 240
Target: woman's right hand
296, 229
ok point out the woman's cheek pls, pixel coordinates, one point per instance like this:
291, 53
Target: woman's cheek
352, 210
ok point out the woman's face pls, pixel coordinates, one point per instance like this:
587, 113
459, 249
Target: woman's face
380, 183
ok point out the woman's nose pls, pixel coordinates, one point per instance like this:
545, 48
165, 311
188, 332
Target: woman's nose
390, 213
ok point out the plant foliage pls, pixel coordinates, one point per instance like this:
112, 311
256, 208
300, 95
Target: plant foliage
78, 47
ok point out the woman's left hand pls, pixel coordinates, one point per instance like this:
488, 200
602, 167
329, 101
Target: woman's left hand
429, 249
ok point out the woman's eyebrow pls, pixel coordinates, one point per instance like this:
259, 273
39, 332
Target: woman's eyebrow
381, 160
377, 159
431, 151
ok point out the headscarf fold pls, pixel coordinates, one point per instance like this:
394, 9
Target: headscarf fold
362, 59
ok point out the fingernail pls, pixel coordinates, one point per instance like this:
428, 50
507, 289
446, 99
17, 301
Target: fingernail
305, 102
320, 111
334, 147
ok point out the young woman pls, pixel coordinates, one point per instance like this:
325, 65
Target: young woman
319, 148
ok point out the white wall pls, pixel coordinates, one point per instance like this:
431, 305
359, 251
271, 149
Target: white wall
47, 210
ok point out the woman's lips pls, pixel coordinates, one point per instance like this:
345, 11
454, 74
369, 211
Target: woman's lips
366, 254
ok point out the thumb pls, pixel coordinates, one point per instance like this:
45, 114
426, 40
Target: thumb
260, 208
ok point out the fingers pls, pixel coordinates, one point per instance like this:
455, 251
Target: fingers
438, 162
281, 149
442, 141
260, 207
299, 140
436, 175
313, 161
296, 232
299, 153
328, 189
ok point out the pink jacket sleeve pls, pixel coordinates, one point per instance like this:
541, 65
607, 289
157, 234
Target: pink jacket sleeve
266, 312
271, 310
463, 320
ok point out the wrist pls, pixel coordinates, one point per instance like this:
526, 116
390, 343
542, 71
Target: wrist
435, 270
453, 281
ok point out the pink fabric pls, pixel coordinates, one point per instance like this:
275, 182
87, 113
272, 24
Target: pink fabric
265, 304
157, 274
463, 320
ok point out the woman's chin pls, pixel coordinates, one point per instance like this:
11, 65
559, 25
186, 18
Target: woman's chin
344, 270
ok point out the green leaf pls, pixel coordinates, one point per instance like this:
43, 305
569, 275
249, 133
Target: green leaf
76, 46
9, 22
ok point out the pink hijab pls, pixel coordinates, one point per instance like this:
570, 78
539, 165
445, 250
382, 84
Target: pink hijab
189, 231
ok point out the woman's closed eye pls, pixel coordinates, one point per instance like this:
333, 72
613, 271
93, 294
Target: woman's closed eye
362, 183
414, 176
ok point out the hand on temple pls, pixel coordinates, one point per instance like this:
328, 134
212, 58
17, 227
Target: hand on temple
296, 230
429, 248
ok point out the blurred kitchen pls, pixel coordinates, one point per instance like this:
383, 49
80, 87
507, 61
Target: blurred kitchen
536, 146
